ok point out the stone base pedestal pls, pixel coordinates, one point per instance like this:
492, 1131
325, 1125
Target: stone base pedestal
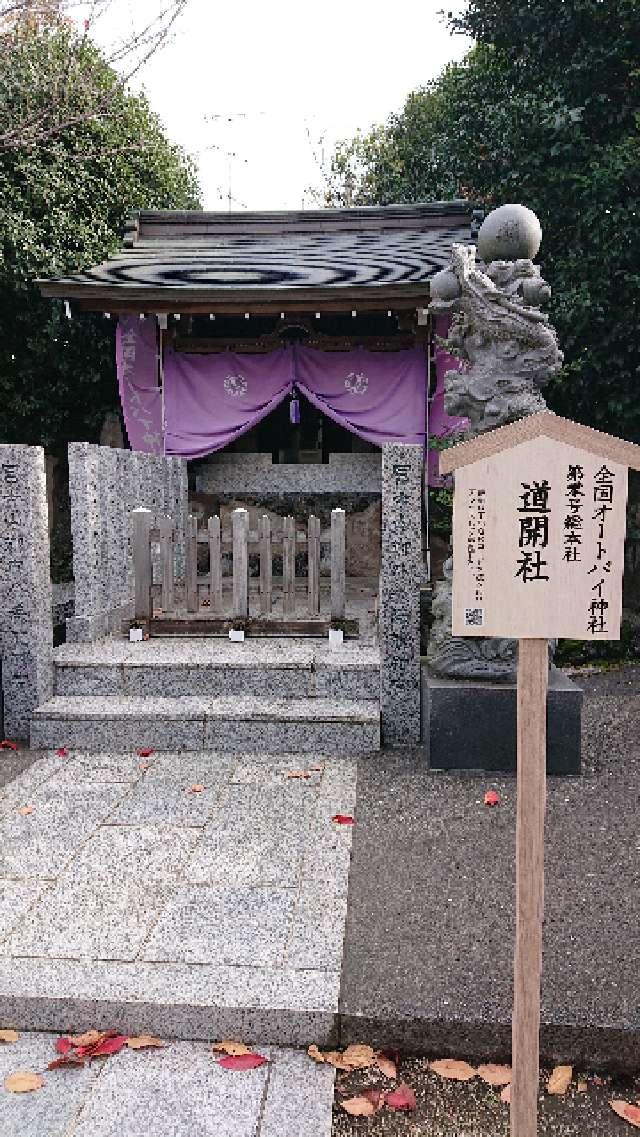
471, 725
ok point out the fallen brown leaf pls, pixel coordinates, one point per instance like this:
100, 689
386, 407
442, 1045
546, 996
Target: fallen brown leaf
89, 1037
196, 789
358, 1106
9, 1036
228, 1046
627, 1112
560, 1079
505, 1096
403, 1098
451, 1068
144, 1041
375, 1096
25, 810
495, 1075
386, 1066
358, 1055
23, 1081
297, 774
331, 1057
582, 1087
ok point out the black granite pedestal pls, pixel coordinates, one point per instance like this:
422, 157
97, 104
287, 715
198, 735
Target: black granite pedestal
471, 725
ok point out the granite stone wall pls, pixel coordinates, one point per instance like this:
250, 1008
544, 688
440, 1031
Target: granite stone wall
26, 626
256, 475
400, 579
105, 485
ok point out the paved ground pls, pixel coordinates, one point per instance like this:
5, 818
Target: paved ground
429, 939
179, 1091
197, 894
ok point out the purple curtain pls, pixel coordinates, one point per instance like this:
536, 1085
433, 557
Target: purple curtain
209, 400
440, 423
379, 395
140, 395
212, 399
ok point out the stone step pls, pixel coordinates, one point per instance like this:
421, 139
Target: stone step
213, 668
234, 724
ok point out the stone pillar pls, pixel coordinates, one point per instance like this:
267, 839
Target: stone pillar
87, 623
26, 626
400, 578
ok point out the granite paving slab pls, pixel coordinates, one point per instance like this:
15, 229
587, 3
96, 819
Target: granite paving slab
170, 911
178, 1091
228, 925
52, 1110
63, 818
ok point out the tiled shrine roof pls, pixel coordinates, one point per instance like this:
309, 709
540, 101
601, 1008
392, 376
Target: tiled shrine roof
172, 257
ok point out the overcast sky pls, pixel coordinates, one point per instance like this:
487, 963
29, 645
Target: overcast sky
254, 91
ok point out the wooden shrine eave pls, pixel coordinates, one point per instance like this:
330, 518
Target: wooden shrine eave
228, 301
545, 424
333, 259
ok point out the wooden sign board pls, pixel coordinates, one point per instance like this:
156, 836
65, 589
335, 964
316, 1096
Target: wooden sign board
538, 553
538, 532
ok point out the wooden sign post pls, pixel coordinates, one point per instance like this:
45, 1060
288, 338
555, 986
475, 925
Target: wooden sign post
538, 553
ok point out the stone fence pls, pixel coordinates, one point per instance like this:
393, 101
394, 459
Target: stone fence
256, 474
26, 631
105, 486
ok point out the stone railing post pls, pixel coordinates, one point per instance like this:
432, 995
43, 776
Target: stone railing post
26, 623
400, 577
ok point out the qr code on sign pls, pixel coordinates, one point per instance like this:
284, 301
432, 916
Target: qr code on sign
473, 617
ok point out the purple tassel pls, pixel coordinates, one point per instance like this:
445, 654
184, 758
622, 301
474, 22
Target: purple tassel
294, 410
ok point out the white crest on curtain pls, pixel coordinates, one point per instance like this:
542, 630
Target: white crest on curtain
357, 382
235, 385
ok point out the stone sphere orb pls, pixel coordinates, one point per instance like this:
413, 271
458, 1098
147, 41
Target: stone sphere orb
509, 233
444, 285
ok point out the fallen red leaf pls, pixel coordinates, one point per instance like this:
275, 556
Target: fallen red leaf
628, 1112
62, 752
402, 1098
6, 745
145, 751
101, 1049
491, 798
66, 1060
343, 819
64, 1045
242, 1061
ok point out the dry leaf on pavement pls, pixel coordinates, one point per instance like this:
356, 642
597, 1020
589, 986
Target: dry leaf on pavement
65, 1060
559, 1079
582, 1087
491, 798
495, 1075
403, 1098
9, 1036
88, 1038
386, 1066
25, 810
242, 1061
144, 1041
628, 1112
359, 1106
358, 1056
451, 1068
505, 1096
23, 1081
229, 1046
198, 789
7, 745
331, 1057
343, 819
62, 752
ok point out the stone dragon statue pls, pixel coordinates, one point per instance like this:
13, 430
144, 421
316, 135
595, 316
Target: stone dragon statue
511, 351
